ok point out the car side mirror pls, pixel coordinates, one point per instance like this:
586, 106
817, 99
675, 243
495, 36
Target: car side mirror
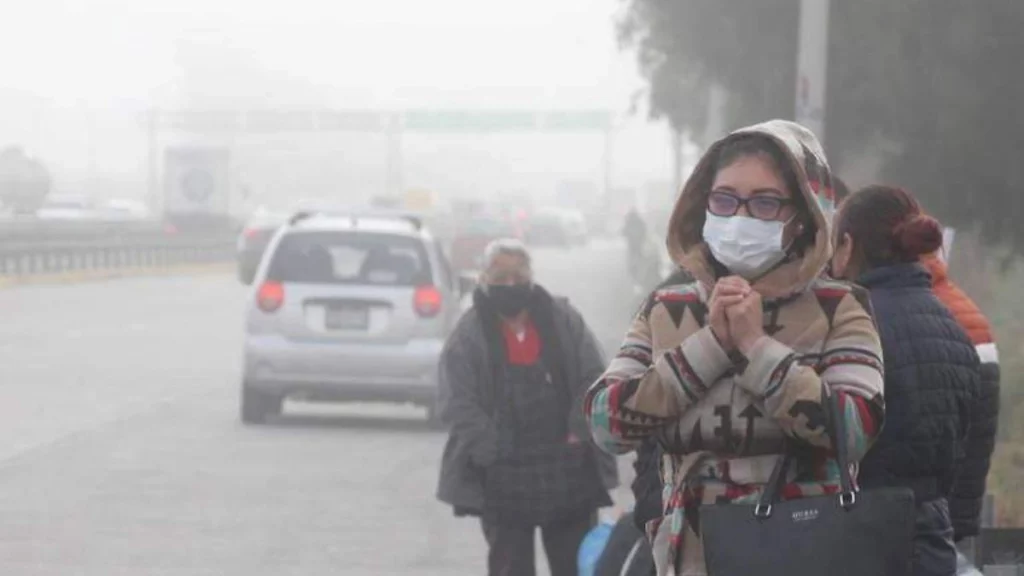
467, 283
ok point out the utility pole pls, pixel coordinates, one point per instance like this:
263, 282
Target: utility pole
677, 159
607, 162
718, 105
394, 166
812, 66
153, 161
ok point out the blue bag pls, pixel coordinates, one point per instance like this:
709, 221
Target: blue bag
592, 547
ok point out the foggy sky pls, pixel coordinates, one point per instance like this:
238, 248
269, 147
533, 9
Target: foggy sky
77, 74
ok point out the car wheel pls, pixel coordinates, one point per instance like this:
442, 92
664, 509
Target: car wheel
257, 406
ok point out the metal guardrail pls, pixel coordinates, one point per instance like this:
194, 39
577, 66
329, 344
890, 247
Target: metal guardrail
30, 249
52, 259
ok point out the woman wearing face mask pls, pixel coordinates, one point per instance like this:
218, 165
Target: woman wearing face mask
511, 380
931, 367
722, 369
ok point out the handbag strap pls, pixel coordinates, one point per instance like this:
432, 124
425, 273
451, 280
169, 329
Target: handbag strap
773, 489
841, 441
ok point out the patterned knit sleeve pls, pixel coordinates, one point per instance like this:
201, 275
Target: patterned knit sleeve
796, 393
641, 392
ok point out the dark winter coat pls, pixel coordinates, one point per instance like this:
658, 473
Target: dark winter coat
931, 384
467, 394
965, 502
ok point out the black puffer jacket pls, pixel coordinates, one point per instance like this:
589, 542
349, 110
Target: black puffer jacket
931, 384
968, 494
969, 491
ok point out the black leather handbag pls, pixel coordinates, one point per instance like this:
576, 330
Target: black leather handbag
853, 533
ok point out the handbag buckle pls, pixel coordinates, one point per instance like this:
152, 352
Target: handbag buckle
847, 500
762, 511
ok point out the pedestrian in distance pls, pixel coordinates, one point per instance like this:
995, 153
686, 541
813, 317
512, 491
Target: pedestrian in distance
519, 455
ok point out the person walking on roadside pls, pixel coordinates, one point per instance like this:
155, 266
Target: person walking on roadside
723, 369
519, 456
634, 230
931, 368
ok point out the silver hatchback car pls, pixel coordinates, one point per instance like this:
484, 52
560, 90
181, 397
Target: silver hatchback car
348, 307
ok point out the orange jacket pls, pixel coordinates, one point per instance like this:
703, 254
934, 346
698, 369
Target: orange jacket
960, 304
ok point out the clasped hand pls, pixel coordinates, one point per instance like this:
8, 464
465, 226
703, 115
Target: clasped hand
736, 314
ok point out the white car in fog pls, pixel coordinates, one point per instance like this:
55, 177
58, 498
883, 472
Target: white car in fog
69, 207
125, 209
347, 307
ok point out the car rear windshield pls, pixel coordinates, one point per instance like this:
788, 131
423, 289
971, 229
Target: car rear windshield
350, 258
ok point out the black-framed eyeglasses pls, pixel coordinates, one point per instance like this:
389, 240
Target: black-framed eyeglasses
722, 203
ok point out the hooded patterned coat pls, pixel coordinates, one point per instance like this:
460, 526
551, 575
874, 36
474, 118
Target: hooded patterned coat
722, 418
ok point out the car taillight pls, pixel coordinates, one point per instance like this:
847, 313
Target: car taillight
427, 301
250, 233
270, 296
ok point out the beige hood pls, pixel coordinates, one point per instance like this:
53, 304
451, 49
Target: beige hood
685, 229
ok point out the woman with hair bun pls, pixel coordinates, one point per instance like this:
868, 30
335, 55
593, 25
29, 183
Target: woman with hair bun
931, 368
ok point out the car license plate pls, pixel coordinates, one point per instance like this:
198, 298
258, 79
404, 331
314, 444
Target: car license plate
347, 318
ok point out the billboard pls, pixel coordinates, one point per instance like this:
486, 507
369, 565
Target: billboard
197, 180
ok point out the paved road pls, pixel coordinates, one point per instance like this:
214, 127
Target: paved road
120, 451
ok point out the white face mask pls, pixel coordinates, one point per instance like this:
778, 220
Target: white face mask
746, 246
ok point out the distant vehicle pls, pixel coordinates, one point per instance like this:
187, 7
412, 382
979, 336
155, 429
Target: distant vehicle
576, 225
472, 235
68, 208
348, 308
253, 240
24, 182
124, 209
563, 228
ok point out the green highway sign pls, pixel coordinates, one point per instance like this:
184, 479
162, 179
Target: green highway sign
577, 121
437, 121
280, 121
467, 121
352, 120
505, 121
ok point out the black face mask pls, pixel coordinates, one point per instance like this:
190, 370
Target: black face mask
508, 300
